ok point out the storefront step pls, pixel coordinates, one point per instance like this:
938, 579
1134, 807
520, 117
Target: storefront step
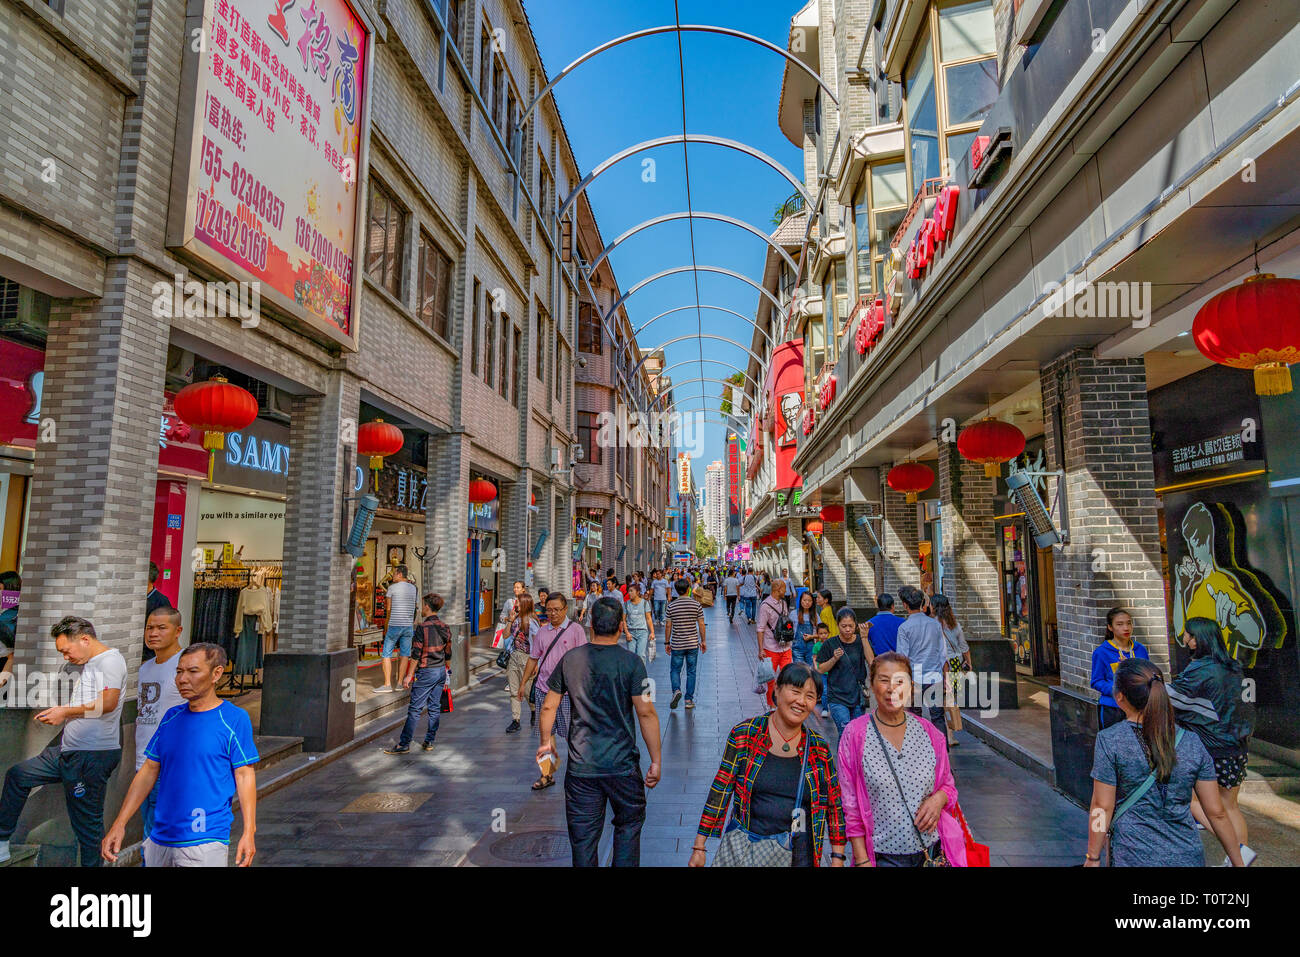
22, 855
273, 749
1004, 745
1265, 776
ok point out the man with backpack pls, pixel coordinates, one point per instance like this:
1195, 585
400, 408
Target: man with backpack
775, 633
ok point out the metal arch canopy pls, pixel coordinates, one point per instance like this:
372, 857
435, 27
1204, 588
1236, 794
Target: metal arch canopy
703, 362
694, 381
683, 138
677, 270
673, 28
618, 355
695, 335
670, 217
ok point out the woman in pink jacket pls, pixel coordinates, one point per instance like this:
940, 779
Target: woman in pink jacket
895, 780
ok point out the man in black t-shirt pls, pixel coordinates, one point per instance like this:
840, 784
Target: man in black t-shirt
153, 601
844, 662
606, 685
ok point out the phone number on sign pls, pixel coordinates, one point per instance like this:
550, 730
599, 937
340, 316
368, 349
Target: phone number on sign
227, 230
244, 186
311, 241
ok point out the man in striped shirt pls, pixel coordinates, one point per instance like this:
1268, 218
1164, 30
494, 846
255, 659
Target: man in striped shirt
684, 640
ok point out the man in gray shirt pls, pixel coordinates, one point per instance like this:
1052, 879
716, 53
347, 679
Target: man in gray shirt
921, 639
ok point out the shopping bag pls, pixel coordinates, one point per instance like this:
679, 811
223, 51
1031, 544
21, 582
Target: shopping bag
445, 707
977, 855
498, 636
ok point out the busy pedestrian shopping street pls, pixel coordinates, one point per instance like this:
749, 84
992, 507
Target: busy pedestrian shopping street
469, 803
702, 434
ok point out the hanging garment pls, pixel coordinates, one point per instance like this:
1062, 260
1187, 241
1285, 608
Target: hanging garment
248, 648
254, 600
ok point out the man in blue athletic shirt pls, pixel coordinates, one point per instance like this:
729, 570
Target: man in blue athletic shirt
200, 756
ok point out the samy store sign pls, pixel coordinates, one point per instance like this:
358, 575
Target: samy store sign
270, 151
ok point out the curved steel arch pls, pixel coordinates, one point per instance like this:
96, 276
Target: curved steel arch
697, 379
683, 138
695, 335
674, 28
677, 270
695, 214
618, 355
717, 362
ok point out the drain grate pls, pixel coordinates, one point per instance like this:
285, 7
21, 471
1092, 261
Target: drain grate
386, 802
531, 847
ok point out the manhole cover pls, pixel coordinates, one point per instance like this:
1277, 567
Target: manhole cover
529, 847
386, 802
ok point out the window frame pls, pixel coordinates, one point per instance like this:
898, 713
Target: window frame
475, 317
591, 448
590, 332
503, 384
944, 130
489, 342
439, 304
391, 207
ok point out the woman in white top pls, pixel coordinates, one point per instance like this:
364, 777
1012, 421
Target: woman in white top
958, 654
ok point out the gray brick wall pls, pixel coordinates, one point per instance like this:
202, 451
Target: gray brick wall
898, 562
970, 571
1113, 558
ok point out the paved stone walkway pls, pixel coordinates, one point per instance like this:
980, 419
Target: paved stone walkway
468, 802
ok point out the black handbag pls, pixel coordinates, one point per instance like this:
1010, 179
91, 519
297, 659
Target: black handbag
938, 858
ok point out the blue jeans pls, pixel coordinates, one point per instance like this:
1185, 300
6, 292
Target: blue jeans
638, 642
803, 652
426, 692
749, 606
400, 637
659, 605
842, 714
691, 656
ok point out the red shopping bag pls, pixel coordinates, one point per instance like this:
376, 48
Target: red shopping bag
977, 855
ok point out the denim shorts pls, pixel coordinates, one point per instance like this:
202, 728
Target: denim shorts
399, 636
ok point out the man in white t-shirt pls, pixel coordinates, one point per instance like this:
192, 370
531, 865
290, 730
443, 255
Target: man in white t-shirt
659, 586
91, 746
402, 602
157, 692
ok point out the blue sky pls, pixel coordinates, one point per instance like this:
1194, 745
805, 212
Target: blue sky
632, 93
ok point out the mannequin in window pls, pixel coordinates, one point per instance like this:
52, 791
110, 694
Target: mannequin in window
252, 622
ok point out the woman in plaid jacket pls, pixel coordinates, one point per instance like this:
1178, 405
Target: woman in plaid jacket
759, 774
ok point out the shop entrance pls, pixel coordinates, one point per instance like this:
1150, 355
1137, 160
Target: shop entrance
1027, 588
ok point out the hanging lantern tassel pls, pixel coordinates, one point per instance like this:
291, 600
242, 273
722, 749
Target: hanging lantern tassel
214, 442
1272, 378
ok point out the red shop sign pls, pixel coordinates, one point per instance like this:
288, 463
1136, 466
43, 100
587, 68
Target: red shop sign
21, 375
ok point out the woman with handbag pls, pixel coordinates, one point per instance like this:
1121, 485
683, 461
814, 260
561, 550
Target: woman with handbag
899, 795
778, 778
523, 630
958, 661
1153, 767
775, 634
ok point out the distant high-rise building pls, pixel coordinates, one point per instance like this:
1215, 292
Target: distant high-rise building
715, 502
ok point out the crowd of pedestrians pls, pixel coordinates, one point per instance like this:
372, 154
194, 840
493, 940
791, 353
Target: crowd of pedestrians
1169, 759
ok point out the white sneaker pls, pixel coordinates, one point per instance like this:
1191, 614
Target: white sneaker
4, 851
1247, 857
383, 689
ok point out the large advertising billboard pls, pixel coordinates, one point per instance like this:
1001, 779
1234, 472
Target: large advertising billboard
270, 151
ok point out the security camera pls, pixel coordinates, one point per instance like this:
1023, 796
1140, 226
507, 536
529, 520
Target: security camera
582, 362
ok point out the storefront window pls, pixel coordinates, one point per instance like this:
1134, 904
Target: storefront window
946, 106
862, 241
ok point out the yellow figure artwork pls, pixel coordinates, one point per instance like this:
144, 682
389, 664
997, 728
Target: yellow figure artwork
1202, 589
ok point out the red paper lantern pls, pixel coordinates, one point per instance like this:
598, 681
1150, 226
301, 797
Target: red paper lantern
990, 443
377, 439
832, 513
814, 526
216, 407
1255, 325
481, 491
910, 478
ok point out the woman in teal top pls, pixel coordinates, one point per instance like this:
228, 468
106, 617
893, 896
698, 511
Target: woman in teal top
1118, 646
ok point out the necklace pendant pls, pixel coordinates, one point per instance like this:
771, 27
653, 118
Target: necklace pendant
785, 747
